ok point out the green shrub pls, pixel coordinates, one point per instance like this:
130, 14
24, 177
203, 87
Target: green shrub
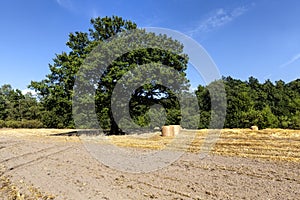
13, 124
31, 124
2, 124
21, 124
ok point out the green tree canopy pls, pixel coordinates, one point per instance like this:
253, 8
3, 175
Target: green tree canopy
266, 105
56, 90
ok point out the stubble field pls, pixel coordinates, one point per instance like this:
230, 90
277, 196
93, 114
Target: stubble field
243, 164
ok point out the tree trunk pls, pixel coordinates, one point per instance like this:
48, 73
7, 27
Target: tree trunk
114, 128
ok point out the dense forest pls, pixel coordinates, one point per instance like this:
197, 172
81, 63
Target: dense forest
267, 105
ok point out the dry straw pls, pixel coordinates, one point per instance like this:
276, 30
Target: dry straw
176, 129
167, 131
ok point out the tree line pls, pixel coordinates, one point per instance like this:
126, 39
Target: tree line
18, 110
274, 105
267, 105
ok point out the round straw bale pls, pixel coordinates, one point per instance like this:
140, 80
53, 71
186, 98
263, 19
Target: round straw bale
166, 131
176, 129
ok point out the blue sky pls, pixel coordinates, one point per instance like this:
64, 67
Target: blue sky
244, 38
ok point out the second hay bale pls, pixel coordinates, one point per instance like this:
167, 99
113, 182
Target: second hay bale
176, 129
166, 131
172, 130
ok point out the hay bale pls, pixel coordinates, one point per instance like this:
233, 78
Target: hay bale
176, 129
167, 131
254, 128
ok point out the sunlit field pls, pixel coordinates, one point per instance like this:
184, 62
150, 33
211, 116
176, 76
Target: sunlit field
275, 144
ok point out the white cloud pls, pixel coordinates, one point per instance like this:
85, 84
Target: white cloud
75, 7
218, 18
94, 13
292, 60
26, 91
193, 89
65, 3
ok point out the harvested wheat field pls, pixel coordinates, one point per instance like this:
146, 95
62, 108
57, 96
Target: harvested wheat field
243, 164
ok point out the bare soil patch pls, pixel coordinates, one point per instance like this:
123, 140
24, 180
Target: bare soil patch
244, 164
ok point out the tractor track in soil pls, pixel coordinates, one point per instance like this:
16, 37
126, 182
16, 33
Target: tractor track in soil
62, 166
